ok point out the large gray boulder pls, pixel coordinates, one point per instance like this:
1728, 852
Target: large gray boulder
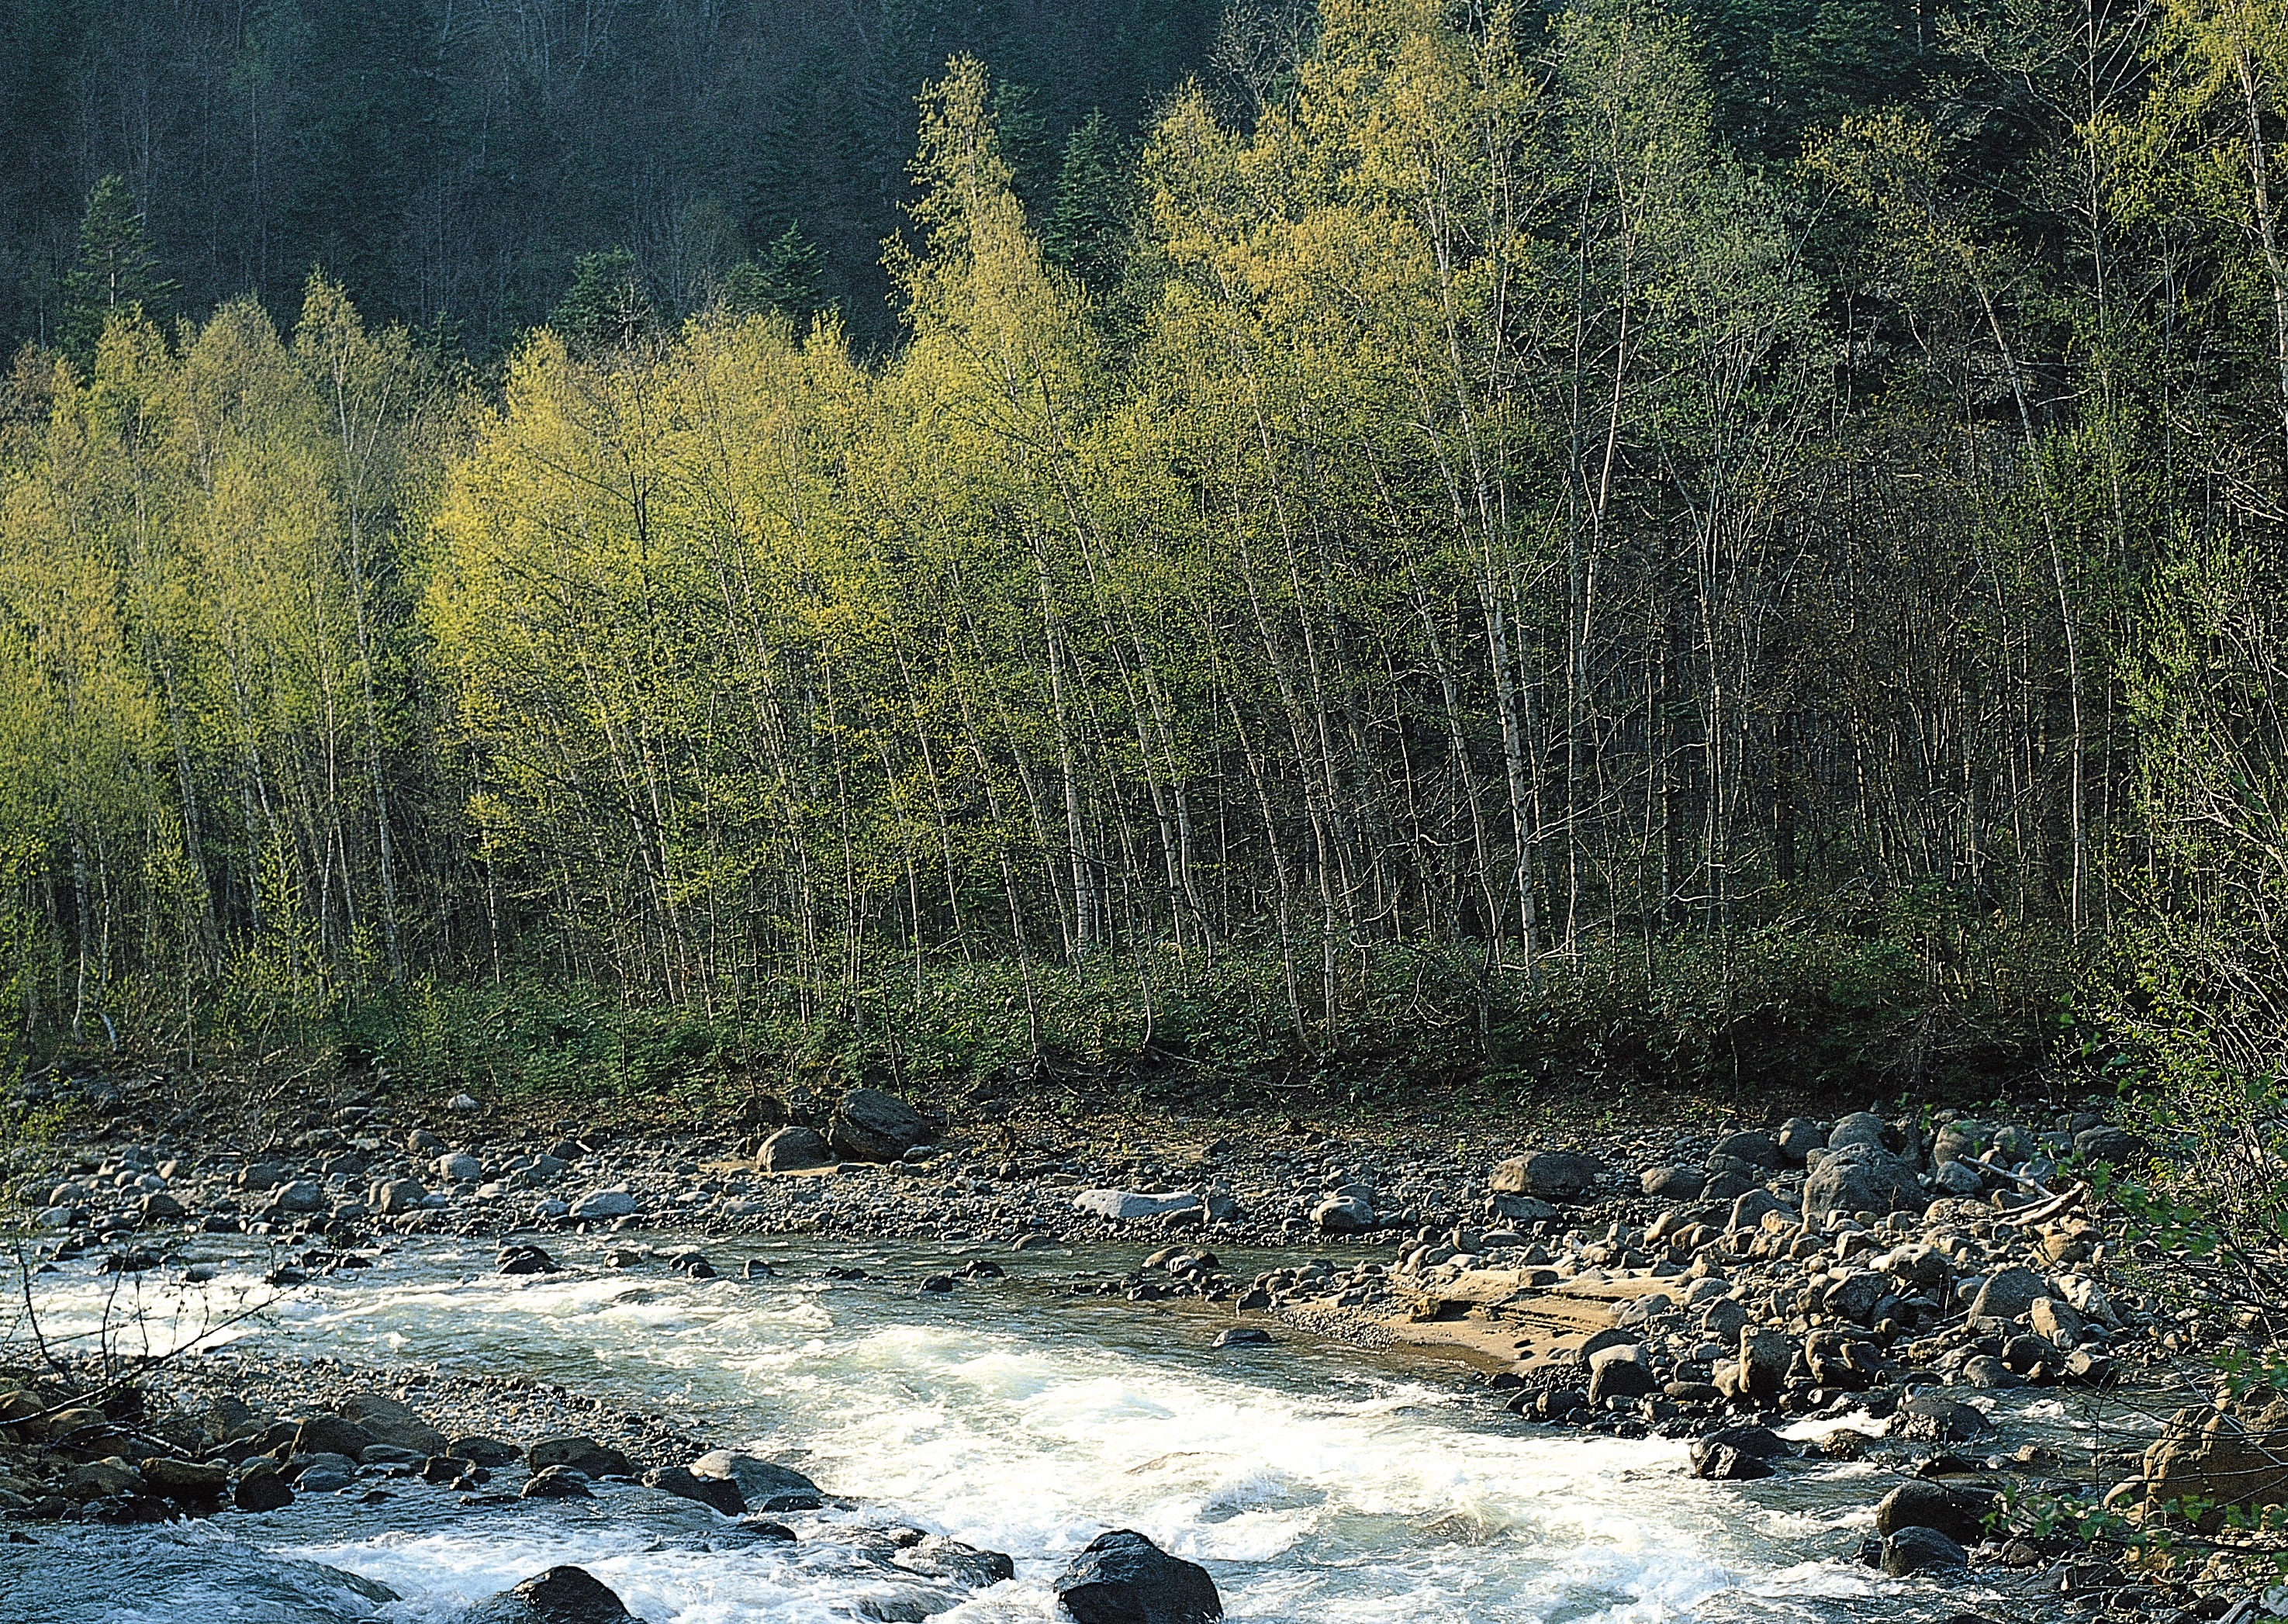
1120, 1577
869, 1125
2010, 1293
791, 1149
391, 1422
1122, 1205
1861, 1178
1553, 1176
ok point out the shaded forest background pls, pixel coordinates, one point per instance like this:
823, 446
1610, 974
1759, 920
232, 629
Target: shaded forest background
1373, 549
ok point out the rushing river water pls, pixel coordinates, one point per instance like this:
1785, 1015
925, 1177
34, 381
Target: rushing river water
1010, 1415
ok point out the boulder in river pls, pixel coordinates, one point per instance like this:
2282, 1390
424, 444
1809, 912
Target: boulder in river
869, 1125
793, 1149
526, 1259
767, 1486
1922, 1550
721, 1492
555, 1483
1120, 1577
583, 1456
1959, 1514
261, 1489
561, 1595
1933, 1418
322, 1432
481, 1450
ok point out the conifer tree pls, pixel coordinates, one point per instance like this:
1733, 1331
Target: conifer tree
1089, 223
789, 277
118, 269
607, 307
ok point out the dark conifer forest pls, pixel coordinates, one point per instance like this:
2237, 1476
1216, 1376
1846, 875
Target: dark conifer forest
655, 545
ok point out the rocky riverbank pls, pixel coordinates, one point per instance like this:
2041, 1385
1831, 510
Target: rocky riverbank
1867, 1286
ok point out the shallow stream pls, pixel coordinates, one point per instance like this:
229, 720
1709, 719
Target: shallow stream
1317, 1488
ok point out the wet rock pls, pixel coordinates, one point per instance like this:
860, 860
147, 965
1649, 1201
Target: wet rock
767, 1486
260, 1488
756, 1269
869, 1125
1959, 1514
614, 1203
524, 1259
322, 1474
583, 1456
1933, 1418
1861, 1178
185, 1482
1553, 1176
160, 1208
561, 1595
321, 1432
390, 1422
721, 1492
1242, 1336
100, 1479
484, 1451
555, 1483
1619, 1373
936, 1557
1120, 1577
1922, 1550
793, 1149
1736, 1453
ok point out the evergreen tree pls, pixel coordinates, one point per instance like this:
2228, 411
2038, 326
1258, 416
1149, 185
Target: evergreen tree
606, 308
1089, 224
789, 277
117, 268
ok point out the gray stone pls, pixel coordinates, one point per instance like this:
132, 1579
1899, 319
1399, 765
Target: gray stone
1619, 1373
1514, 1208
2009, 1294
1765, 1356
160, 1208
793, 1149
1933, 1418
302, 1196
581, 1454
390, 1422
1859, 1128
936, 1556
681, 1481
1122, 1205
555, 1483
1673, 1182
1120, 1577
1718, 1456
1751, 1146
459, 1168
2056, 1321
397, 1195
1798, 1137
1917, 1263
604, 1204
1859, 1177
1343, 1215
1749, 1210
261, 1489
1553, 1176
869, 1125
321, 1432
2109, 1145
1959, 1178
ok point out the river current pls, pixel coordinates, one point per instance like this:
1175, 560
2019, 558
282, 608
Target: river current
1317, 1487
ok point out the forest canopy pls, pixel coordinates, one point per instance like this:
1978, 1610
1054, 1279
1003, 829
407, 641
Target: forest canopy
1694, 545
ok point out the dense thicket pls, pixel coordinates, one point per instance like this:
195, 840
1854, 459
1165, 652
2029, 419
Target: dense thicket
1470, 526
